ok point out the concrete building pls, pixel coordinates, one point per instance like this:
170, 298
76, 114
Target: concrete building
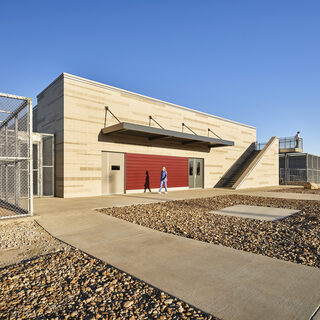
107, 138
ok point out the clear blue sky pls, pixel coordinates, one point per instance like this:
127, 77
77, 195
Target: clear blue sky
256, 62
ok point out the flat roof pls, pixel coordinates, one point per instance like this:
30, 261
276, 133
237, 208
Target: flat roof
168, 135
102, 85
297, 154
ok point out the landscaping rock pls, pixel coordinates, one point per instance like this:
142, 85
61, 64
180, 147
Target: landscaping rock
168, 301
63, 285
128, 304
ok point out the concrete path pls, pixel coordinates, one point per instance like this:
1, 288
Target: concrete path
281, 195
228, 283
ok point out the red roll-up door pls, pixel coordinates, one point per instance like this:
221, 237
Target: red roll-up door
138, 164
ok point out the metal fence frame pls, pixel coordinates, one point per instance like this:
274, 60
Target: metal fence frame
16, 126
40, 164
306, 168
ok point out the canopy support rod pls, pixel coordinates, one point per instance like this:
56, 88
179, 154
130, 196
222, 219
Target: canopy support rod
105, 115
209, 130
184, 125
150, 118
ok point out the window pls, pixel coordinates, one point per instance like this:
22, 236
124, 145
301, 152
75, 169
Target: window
190, 167
198, 168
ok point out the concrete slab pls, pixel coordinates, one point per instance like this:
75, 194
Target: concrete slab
228, 283
256, 212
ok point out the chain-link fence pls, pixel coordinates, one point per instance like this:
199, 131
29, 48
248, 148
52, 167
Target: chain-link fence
15, 156
299, 168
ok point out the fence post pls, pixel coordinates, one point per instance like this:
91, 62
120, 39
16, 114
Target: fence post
16, 163
6, 165
286, 168
30, 142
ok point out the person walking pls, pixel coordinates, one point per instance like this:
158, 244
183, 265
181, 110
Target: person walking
147, 182
297, 139
163, 179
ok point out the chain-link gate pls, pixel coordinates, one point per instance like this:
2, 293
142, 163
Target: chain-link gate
15, 156
43, 164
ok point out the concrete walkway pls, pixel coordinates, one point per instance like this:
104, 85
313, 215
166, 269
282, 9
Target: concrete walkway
282, 195
228, 283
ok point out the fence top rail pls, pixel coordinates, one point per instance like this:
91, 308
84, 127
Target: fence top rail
288, 138
12, 96
40, 134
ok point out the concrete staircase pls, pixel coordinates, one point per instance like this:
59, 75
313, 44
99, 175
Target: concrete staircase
237, 174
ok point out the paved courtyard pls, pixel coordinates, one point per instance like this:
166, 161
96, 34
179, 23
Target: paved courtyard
228, 283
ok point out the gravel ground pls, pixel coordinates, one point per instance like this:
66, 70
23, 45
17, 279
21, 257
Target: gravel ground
59, 282
21, 240
295, 238
71, 285
297, 190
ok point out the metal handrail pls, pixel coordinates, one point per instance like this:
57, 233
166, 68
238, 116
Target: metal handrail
290, 143
284, 143
260, 145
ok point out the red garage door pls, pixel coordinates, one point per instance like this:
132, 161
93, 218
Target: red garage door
138, 164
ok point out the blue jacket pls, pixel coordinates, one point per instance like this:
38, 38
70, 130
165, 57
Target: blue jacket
163, 175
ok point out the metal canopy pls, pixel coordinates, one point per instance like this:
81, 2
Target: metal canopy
152, 134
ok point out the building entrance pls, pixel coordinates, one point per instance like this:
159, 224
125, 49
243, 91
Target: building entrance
112, 173
195, 173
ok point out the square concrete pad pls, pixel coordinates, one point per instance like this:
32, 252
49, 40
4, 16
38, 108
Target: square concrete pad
255, 212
